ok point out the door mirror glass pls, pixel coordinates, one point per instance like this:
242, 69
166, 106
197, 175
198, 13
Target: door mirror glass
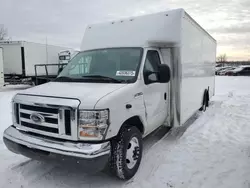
153, 76
164, 73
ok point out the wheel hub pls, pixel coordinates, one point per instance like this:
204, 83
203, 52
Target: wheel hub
133, 152
136, 153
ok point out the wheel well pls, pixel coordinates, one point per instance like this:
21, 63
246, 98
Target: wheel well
134, 121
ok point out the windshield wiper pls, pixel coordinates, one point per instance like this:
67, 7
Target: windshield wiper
63, 79
104, 78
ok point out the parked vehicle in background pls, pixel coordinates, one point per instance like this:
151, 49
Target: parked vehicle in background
240, 71
218, 69
1, 68
218, 65
120, 88
224, 71
20, 58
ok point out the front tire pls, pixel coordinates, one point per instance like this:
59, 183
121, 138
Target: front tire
126, 153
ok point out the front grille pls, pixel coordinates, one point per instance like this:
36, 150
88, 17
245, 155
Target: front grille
39, 109
49, 121
67, 122
16, 109
42, 128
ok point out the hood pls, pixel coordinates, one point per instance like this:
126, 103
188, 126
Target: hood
87, 93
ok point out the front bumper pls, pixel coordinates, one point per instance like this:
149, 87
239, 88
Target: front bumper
37, 147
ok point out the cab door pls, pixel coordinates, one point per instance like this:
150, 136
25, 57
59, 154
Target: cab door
154, 92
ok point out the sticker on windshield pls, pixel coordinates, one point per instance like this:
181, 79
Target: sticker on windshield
125, 73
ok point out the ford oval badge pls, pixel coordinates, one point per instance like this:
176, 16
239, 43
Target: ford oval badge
37, 118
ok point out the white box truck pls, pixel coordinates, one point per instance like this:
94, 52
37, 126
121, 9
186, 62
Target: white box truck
1, 68
20, 58
131, 77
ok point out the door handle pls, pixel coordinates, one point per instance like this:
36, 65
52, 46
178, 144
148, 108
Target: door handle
165, 96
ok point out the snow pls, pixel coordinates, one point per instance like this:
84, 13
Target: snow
213, 150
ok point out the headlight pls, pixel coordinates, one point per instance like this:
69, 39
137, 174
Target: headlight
93, 124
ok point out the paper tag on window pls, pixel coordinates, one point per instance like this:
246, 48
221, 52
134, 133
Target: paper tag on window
125, 73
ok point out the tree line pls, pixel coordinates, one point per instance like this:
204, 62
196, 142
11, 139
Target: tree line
3, 33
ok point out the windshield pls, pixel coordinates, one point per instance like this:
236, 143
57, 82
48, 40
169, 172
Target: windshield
108, 65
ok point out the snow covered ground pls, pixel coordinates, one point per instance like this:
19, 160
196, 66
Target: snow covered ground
213, 151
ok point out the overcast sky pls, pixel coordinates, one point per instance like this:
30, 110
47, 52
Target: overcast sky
64, 21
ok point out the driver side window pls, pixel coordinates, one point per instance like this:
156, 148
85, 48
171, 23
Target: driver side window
151, 65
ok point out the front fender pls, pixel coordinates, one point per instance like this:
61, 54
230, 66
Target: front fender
116, 102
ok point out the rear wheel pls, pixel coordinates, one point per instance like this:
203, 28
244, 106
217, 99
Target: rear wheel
126, 153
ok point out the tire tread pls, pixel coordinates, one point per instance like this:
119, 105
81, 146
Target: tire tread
117, 164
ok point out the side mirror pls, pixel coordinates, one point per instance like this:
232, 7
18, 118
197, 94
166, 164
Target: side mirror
164, 73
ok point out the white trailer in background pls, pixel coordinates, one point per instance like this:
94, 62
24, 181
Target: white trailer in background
131, 77
20, 58
1, 68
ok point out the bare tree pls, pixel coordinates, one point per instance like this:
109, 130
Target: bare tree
3, 33
222, 58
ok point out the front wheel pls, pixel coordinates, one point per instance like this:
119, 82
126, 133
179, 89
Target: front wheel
126, 153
